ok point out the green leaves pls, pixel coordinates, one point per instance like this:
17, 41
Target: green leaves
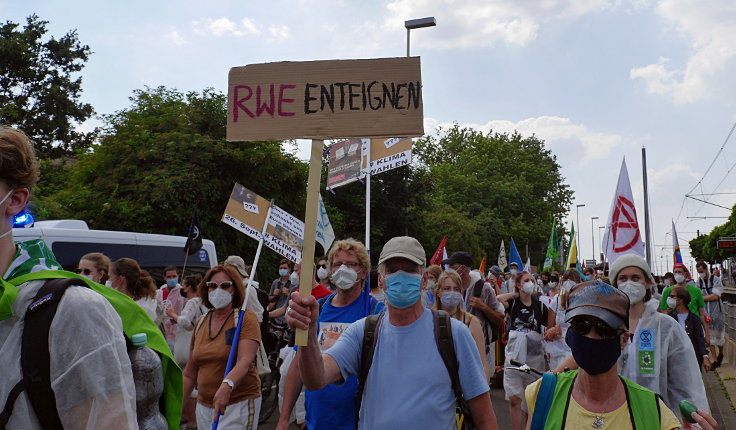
38, 92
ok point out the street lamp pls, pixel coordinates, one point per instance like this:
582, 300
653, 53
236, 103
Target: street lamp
600, 239
413, 24
577, 210
592, 235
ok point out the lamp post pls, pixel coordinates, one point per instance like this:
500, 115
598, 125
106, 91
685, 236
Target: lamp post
413, 24
600, 239
577, 211
592, 235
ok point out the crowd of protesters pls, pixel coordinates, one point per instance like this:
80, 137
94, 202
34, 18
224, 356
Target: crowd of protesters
403, 345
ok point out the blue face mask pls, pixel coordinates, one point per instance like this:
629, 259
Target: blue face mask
283, 272
171, 283
595, 356
403, 289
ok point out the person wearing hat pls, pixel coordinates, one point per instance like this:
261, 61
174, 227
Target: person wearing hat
595, 396
494, 277
406, 369
659, 356
508, 284
251, 294
480, 301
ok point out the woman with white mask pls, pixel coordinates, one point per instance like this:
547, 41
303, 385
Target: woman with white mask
555, 345
238, 396
527, 315
449, 298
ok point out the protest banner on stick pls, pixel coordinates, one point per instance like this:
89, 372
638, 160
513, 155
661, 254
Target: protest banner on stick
322, 100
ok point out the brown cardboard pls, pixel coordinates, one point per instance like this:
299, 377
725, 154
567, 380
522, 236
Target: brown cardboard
379, 149
245, 221
295, 99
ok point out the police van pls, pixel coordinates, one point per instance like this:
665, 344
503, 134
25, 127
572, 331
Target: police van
71, 239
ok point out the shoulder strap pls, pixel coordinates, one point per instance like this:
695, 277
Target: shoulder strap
324, 300
200, 321
544, 401
446, 348
35, 359
370, 337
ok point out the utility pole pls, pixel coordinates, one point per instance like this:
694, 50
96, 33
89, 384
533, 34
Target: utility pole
646, 206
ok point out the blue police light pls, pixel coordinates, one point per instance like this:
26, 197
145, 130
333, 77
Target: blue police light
23, 219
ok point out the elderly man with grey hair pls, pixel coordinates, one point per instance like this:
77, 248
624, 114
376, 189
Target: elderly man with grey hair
407, 368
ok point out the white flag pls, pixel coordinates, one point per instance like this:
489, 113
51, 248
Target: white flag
622, 230
325, 233
502, 258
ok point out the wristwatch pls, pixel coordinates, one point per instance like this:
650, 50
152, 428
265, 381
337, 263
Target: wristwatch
229, 383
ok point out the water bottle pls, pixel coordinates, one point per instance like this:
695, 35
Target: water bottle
149, 384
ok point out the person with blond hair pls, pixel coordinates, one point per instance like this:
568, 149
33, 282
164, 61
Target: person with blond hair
94, 266
448, 292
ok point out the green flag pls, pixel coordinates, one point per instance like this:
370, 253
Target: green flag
553, 250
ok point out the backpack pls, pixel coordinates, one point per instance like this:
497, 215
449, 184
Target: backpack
446, 348
35, 357
495, 330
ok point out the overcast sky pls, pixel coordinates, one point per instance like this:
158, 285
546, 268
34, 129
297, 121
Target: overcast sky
595, 79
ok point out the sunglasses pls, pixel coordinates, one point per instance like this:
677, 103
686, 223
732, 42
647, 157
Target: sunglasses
224, 285
582, 327
84, 271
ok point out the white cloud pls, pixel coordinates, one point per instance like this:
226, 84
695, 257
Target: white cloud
174, 37
481, 23
711, 65
225, 27
279, 32
552, 129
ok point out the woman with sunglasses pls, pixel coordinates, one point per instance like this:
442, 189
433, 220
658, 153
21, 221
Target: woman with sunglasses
94, 266
527, 315
594, 396
678, 302
237, 395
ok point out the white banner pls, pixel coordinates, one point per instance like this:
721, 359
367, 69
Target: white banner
325, 233
622, 230
391, 162
285, 234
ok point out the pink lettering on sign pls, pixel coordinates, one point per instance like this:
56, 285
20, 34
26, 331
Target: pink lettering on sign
265, 103
282, 100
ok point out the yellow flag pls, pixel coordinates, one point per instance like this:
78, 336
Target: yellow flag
572, 257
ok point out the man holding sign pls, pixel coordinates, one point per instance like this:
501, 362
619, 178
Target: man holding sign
406, 364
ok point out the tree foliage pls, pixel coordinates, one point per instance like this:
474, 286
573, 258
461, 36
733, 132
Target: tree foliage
705, 247
39, 90
487, 188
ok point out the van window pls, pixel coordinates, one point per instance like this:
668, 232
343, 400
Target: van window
151, 258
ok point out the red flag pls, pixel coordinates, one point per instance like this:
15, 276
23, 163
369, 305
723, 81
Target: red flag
482, 267
439, 253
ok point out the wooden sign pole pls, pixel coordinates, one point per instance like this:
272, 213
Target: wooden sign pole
310, 229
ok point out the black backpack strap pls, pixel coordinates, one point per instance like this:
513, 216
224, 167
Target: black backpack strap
446, 348
370, 337
34, 356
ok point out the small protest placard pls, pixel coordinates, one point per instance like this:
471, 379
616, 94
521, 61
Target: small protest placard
285, 234
344, 162
246, 211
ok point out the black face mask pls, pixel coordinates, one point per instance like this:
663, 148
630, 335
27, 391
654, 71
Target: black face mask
595, 356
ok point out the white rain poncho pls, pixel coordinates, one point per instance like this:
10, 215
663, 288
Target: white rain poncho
90, 369
660, 357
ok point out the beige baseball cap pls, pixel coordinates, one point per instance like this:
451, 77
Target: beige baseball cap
237, 263
403, 247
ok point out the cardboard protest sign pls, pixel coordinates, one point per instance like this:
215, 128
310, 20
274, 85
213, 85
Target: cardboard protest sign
285, 234
387, 154
246, 211
345, 159
325, 99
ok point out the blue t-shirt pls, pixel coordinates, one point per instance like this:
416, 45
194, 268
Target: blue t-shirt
333, 407
408, 386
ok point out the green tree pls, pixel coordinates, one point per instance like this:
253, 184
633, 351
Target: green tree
39, 90
487, 188
164, 158
705, 247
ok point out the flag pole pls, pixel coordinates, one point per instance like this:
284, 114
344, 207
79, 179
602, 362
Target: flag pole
184, 266
241, 317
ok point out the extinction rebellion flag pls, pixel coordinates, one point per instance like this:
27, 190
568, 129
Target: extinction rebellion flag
194, 238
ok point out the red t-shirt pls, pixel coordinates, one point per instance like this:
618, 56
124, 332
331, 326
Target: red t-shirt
320, 291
